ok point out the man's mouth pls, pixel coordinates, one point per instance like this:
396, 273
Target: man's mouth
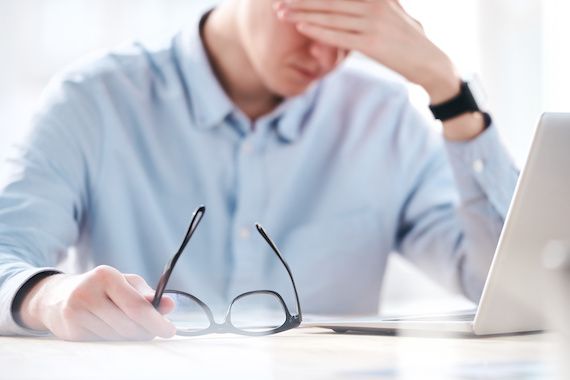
307, 73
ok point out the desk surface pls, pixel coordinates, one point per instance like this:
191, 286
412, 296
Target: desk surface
302, 353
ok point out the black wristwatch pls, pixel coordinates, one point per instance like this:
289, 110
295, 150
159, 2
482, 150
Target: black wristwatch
468, 100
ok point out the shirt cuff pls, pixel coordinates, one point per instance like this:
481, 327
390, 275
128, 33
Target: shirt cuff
484, 168
8, 292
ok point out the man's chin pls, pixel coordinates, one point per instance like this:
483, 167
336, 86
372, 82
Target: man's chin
291, 90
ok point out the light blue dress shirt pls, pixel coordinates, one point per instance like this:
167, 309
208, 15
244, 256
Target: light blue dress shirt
125, 147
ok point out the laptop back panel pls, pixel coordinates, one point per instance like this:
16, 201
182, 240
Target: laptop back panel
514, 294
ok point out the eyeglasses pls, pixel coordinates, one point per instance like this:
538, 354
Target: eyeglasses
255, 313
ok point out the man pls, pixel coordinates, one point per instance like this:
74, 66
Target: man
246, 114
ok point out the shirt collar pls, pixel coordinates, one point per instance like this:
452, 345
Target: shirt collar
291, 115
208, 100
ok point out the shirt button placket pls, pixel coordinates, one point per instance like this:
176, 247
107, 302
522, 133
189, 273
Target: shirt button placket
247, 261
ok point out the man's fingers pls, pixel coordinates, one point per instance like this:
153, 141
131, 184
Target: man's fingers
139, 283
332, 21
166, 305
139, 309
343, 40
347, 7
78, 334
110, 313
99, 328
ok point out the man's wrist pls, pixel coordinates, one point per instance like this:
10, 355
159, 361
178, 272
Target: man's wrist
464, 127
462, 114
441, 81
26, 305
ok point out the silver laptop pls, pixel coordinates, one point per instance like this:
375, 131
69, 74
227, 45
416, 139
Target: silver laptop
513, 299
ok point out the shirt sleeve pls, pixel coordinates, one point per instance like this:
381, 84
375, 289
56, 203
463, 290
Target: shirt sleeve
44, 186
482, 167
458, 197
486, 177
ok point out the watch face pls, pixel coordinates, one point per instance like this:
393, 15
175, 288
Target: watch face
478, 92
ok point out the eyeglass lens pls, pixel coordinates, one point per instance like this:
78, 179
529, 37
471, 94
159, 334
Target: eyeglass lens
256, 312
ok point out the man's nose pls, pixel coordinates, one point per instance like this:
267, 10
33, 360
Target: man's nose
326, 55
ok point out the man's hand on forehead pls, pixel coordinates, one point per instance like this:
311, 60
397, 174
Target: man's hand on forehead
380, 29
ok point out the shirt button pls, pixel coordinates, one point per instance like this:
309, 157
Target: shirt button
244, 233
478, 166
247, 148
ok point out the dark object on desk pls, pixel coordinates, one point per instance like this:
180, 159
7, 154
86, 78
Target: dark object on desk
193, 317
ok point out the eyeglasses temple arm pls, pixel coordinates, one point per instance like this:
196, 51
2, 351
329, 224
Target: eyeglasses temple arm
280, 256
196, 218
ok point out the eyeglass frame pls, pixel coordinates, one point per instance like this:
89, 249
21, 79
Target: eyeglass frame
291, 321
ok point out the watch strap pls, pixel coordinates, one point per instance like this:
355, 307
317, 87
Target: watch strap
464, 102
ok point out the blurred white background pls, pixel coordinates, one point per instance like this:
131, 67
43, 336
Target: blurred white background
519, 48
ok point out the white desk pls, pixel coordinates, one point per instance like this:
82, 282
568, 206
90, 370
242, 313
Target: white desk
297, 354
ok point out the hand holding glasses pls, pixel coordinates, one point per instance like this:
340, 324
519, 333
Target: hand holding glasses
255, 313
